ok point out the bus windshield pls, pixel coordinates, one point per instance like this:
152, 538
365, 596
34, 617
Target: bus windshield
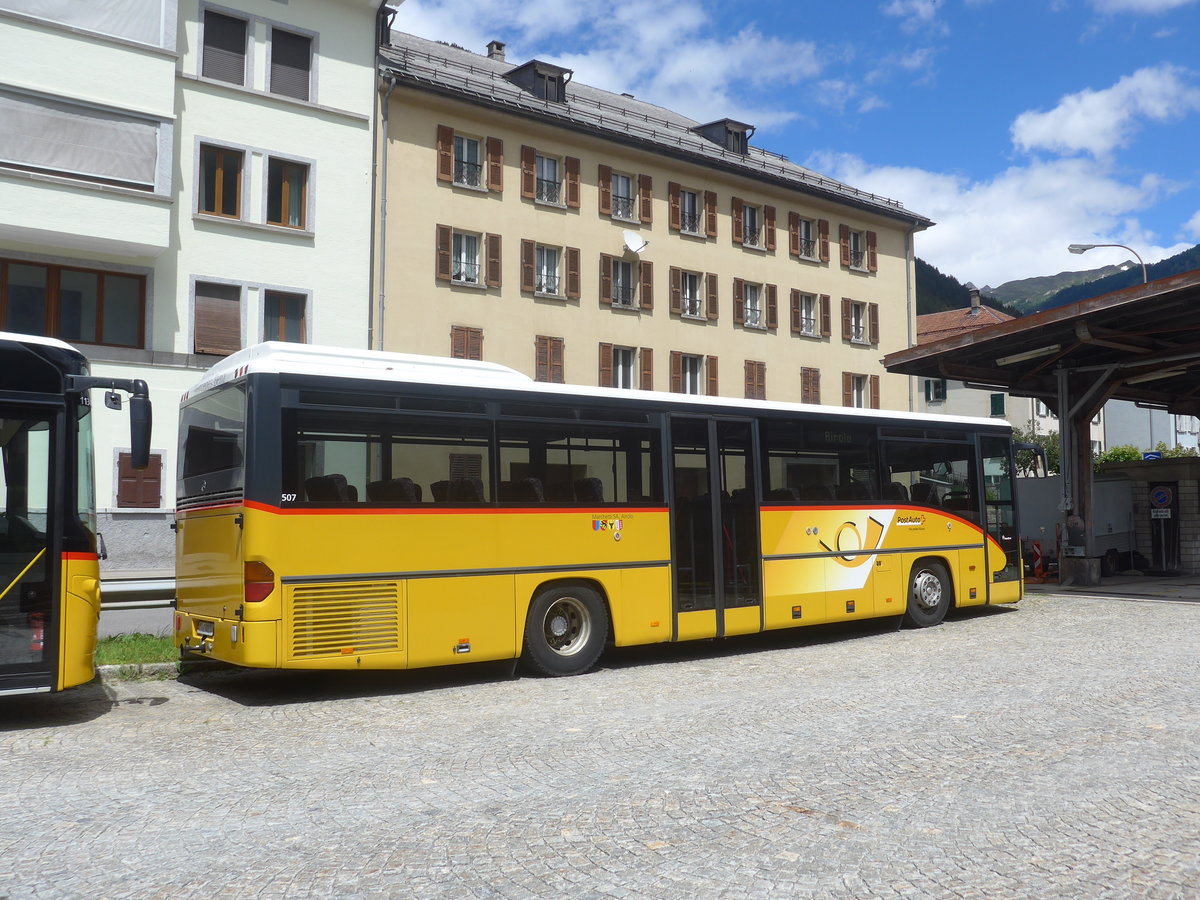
212, 445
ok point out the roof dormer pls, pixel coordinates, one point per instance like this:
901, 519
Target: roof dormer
544, 80
733, 136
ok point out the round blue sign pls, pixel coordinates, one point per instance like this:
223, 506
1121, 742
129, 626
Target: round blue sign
1161, 496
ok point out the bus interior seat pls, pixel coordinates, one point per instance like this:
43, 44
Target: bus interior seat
468, 490
895, 492
527, 490
332, 487
785, 493
402, 489
959, 501
853, 492
589, 490
818, 491
924, 494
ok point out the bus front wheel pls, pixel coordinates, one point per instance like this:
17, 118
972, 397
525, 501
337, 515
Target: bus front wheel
565, 631
929, 594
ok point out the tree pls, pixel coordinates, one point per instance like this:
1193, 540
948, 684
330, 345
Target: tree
1026, 459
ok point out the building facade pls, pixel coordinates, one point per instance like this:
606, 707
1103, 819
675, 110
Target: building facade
583, 236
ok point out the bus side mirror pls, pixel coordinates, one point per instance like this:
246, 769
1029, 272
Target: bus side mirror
140, 420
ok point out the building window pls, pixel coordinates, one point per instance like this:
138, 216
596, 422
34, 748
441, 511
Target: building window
810, 385
549, 182
619, 367
287, 193
860, 322
548, 359
466, 343
808, 314
623, 367
624, 201
751, 226
756, 380
858, 249
860, 391
283, 317
997, 404
217, 319
806, 240
139, 488
81, 305
224, 54
689, 212
624, 291
220, 181
689, 295
468, 170
546, 272
753, 312
754, 305
291, 64
691, 373
464, 261
1044, 411
935, 390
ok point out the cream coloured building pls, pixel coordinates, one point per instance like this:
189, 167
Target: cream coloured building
583, 236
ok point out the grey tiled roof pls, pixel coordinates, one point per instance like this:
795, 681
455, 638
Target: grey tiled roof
442, 68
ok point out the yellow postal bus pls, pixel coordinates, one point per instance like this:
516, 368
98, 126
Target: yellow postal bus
351, 509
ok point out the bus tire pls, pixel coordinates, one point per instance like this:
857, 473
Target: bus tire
565, 630
930, 594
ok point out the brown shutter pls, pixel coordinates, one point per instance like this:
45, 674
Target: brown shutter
647, 374
710, 214
646, 199
139, 488
445, 153
604, 182
739, 302
495, 164
772, 306
823, 238
218, 322
606, 365
492, 278
676, 278
748, 380
874, 392
810, 385
606, 289
573, 286
710, 296
847, 389
673, 215
826, 324
527, 262
442, 247
541, 358
796, 324
528, 172
458, 342
646, 273
676, 371
794, 233
769, 226
873, 322
556, 360
844, 241
735, 211
475, 344
572, 166
710, 372
847, 323
872, 254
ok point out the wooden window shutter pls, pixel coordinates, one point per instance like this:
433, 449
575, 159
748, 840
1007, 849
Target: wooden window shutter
646, 199
874, 392
492, 276
844, 241
674, 220
606, 289
606, 365
873, 322
647, 366
224, 48
756, 380
573, 284
739, 302
556, 360
604, 182
572, 167
676, 372
735, 212
796, 324
676, 279
475, 343
527, 263
769, 226
847, 322
823, 238
445, 153
466, 343
441, 267
872, 254
710, 214
528, 171
748, 380
710, 374
218, 322
710, 296
772, 306
794, 233
826, 324
847, 389
541, 358
139, 488
810, 385
495, 164
646, 274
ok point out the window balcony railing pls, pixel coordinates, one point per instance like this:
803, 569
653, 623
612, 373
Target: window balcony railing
808, 248
858, 334
622, 295
467, 173
546, 284
689, 222
466, 272
548, 191
751, 236
858, 259
690, 306
622, 207
753, 317
808, 325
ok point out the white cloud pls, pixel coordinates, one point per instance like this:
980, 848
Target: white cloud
1151, 7
1097, 122
1192, 227
917, 15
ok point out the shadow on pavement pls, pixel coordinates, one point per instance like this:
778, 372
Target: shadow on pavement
75, 706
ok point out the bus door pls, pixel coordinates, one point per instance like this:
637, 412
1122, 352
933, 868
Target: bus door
715, 528
29, 550
1003, 556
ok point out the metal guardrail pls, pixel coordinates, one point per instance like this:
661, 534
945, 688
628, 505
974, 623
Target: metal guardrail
137, 593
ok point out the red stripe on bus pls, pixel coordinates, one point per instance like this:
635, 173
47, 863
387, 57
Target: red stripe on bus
611, 512
81, 555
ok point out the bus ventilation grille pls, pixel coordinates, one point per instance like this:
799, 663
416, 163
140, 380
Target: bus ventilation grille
340, 619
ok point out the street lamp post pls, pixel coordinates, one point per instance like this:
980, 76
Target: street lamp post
1083, 248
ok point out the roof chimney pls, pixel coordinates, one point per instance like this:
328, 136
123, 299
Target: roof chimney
496, 50
974, 302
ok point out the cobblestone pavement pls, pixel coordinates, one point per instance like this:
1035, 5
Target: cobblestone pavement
1048, 751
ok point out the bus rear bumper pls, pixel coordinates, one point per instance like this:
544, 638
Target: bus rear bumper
251, 644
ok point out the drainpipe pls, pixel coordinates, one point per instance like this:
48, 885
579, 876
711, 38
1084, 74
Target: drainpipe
382, 180
910, 261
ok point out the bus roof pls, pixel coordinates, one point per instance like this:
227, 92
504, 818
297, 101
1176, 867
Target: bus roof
284, 358
38, 340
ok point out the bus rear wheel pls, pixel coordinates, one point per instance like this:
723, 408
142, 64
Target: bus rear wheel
929, 594
565, 631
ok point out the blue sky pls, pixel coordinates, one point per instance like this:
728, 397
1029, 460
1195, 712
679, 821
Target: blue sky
1019, 126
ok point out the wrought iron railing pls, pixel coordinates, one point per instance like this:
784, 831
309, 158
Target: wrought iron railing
467, 173
549, 191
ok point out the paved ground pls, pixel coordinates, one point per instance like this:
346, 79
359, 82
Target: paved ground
1049, 751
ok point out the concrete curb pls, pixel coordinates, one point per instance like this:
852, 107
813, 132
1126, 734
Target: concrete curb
161, 671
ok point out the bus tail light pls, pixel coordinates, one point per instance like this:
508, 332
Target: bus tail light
260, 581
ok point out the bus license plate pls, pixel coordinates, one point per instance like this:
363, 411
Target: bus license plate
205, 629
